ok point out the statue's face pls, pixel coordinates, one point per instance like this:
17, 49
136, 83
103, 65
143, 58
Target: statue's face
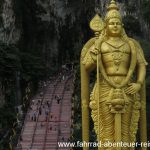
114, 27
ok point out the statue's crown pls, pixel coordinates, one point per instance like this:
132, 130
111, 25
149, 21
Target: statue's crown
112, 5
112, 11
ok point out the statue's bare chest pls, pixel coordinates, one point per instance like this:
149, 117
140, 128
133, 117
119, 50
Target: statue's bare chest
117, 48
116, 56
115, 51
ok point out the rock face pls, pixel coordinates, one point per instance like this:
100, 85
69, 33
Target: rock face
44, 20
57, 28
51, 15
8, 31
1, 98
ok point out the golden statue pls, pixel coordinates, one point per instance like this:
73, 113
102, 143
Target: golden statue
117, 101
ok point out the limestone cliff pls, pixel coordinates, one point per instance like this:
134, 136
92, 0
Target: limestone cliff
9, 33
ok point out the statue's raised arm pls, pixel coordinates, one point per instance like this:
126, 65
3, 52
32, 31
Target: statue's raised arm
117, 101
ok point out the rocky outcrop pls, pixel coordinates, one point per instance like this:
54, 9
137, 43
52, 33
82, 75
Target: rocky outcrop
1, 97
8, 31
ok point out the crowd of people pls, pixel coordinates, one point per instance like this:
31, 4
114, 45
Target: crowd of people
41, 107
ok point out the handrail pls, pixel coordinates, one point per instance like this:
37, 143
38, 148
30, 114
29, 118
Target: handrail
48, 118
50, 109
32, 141
61, 108
24, 121
22, 130
49, 113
